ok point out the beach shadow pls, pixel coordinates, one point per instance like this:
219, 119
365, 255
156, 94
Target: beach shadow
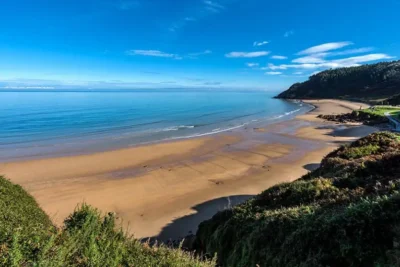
187, 225
311, 167
349, 131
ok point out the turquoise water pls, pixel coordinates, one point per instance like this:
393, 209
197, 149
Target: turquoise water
43, 123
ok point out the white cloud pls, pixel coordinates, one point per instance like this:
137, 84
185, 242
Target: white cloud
273, 73
158, 53
247, 54
251, 65
320, 56
260, 43
362, 59
351, 51
324, 48
337, 63
275, 67
298, 73
288, 33
213, 6
278, 57
195, 55
151, 53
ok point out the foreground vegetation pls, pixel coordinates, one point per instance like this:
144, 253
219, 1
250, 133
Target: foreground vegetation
380, 82
28, 238
345, 213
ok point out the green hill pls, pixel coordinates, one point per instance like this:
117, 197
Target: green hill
377, 81
345, 213
28, 238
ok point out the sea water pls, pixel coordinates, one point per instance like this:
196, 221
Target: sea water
51, 122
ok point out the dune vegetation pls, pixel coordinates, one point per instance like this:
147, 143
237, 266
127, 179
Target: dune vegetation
28, 238
345, 213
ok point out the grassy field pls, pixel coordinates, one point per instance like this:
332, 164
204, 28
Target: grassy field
28, 238
381, 110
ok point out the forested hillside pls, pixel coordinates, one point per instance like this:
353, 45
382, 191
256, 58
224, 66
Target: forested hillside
367, 82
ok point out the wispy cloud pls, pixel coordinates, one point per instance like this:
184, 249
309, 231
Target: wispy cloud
213, 6
273, 73
320, 57
247, 54
362, 59
212, 83
206, 9
288, 33
298, 73
324, 48
260, 43
152, 53
197, 54
251, 65
278, 57
337, 63
174, 27
351, 51
127, 4
158, 53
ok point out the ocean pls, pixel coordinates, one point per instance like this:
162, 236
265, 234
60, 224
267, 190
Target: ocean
47, 123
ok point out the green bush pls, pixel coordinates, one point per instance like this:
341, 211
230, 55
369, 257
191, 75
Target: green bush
27, 238
346, 213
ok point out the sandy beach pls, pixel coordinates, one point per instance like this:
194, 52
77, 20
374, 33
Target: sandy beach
164, 190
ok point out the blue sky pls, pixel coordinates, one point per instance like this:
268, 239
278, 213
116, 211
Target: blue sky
252, 44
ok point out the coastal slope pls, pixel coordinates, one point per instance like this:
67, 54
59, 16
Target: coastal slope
345, 213
377, 82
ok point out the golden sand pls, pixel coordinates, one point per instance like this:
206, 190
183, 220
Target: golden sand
166, 189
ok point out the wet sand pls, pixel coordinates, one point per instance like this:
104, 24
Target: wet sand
165, 190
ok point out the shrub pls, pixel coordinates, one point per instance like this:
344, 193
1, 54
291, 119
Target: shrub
27, 238
345, 213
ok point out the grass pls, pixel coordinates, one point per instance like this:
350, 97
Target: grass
28, 238
381, 110
370, 116
396, 114
345, 213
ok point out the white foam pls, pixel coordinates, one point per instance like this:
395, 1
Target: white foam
204, 134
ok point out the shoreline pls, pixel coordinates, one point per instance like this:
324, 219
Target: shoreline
70, 149
164, 190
